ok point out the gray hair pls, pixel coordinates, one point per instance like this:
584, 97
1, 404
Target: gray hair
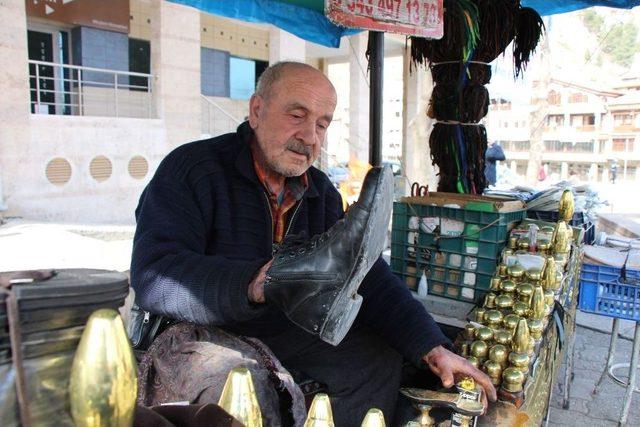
275, 72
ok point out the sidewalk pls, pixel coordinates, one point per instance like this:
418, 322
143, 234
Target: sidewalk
29, 245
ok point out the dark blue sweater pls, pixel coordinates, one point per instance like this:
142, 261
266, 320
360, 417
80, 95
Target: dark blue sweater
204, 230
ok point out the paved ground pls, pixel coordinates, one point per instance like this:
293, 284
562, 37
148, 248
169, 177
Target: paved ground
28, 245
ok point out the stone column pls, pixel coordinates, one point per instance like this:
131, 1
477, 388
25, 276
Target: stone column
284, 46
175, 62
416, 156
358, 97
15, 99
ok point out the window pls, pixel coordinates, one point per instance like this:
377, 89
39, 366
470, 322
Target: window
580, 120
622, 144
555, 120
139, 62
243, 76
577, 97
515, 145
623, 119
554, 98
569, 147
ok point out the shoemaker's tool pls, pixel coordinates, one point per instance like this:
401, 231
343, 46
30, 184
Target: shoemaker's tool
418, 190
469, 391
320, 414
103, 384
239, 399
424, 400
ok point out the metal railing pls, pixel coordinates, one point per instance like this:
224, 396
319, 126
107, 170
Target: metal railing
215, 119
66, 89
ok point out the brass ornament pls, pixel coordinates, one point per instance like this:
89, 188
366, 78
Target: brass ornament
489, 300
503, 270
536, 328
320, 414
521, 337
374, 418
534, 274
495, 284
544, 246
479, 350
510, 322
480, 311
103, 384
469, 332
516, 272
508, 286
538, 306
504, 302
502, 337
474, 361
566, 206
520, 361
561, 242
499, 354
525, 292
493, 318
523, 244
493, 370
521, 309
512, 380
549, 277
239, 398
484, 334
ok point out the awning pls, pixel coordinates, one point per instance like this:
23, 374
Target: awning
305, 18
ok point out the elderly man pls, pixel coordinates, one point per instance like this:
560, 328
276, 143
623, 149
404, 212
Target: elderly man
207, 223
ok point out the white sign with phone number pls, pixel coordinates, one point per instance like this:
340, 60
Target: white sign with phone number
423, 18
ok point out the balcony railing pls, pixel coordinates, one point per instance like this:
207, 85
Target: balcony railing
65, 89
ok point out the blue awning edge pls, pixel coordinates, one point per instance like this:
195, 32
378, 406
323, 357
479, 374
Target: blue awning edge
551, 7
305, 23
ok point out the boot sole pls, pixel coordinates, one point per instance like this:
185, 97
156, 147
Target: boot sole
346, 306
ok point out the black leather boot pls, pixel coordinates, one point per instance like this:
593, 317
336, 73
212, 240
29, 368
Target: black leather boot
314, 282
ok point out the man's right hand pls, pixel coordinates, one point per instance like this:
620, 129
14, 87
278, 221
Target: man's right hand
255, 292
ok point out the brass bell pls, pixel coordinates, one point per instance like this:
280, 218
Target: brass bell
520, 361
374, 418
479, 350
521, 337
103, 383
508, 286
239, 399
495, 284
525, 291
484, 334
489, 300
510, 322
502, 337
320, 414
521, 309
499, 354
516, 272
504, 302
469, 332
493, 318
512, 380
493, 370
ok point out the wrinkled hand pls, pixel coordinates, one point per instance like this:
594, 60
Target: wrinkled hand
255, 293
451, 368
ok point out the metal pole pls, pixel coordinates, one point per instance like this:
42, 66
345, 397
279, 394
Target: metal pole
37, 110
80, 100
376, 64
626, 403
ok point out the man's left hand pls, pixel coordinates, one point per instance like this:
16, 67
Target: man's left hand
450, 367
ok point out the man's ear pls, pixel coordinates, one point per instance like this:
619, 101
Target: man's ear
255, 109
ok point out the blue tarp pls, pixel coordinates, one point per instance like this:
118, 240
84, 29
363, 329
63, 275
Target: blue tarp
310, 24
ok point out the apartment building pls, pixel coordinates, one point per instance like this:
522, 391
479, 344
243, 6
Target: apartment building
584, 130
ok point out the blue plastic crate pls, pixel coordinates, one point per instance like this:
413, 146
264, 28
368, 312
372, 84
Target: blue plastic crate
602, 292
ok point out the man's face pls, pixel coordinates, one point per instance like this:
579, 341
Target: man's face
291, 122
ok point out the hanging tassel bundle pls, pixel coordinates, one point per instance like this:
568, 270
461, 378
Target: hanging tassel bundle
475, 33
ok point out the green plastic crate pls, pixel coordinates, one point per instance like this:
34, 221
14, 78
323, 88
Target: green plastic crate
455, 267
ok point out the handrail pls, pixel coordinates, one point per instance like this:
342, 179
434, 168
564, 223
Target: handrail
80, 90
222, 110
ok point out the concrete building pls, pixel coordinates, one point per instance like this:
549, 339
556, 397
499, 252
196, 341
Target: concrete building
94, 98
584, 131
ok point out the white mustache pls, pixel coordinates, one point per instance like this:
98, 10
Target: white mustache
299, 148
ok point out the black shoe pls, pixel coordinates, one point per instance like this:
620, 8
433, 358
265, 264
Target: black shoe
314, 282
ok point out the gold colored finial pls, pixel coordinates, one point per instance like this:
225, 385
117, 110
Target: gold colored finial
561, 242
504, 301
516, 272
103, 384
508, 286
320, 414
374, 418
521, 337
484, 334
525, 292
239, 399
549, 277
512, 380
499, 354
521, 309
538, 306
479, 350
503, 337
566, 206
493, 318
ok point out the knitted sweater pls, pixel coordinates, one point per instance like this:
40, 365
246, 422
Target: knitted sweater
204, 229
